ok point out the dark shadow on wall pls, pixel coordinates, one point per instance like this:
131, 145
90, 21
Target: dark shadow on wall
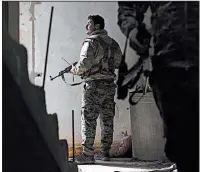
24, 148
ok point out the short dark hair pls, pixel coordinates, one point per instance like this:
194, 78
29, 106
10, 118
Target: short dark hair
97, 20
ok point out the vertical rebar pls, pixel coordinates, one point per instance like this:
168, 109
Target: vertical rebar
73, 145
47, 50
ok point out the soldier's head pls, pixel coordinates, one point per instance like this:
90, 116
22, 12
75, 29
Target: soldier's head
95, 22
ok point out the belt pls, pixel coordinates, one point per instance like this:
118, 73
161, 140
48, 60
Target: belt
101, 80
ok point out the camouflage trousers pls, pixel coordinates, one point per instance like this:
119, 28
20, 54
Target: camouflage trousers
97, 101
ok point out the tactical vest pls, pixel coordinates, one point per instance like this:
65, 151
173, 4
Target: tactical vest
105, 65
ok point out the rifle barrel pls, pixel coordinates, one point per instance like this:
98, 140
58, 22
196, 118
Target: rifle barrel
52, 78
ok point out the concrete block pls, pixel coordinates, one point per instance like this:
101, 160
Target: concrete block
147, 129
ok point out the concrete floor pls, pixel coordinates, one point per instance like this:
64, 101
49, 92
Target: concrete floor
126, 166
101, 168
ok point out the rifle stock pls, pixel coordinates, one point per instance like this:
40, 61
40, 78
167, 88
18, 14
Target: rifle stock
122, 91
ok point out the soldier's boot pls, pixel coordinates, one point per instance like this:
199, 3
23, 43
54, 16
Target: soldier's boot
84, 159
103, 156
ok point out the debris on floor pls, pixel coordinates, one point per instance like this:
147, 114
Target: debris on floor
123, 149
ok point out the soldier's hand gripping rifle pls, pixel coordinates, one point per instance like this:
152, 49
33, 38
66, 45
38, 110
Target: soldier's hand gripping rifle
128, 78
62, 72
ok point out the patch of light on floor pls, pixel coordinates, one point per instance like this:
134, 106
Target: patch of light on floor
101, 168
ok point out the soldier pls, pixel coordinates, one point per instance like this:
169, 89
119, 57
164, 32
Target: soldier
174, 79
100, 56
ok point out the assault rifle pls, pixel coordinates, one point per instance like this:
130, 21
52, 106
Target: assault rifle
62, 72
128, 79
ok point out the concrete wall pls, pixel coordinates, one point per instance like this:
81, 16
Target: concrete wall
67, 35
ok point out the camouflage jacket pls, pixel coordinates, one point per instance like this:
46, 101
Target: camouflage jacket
100, 56
175, 29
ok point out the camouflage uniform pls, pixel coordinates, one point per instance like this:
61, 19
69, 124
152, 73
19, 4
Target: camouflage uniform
174, 79
100, 56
